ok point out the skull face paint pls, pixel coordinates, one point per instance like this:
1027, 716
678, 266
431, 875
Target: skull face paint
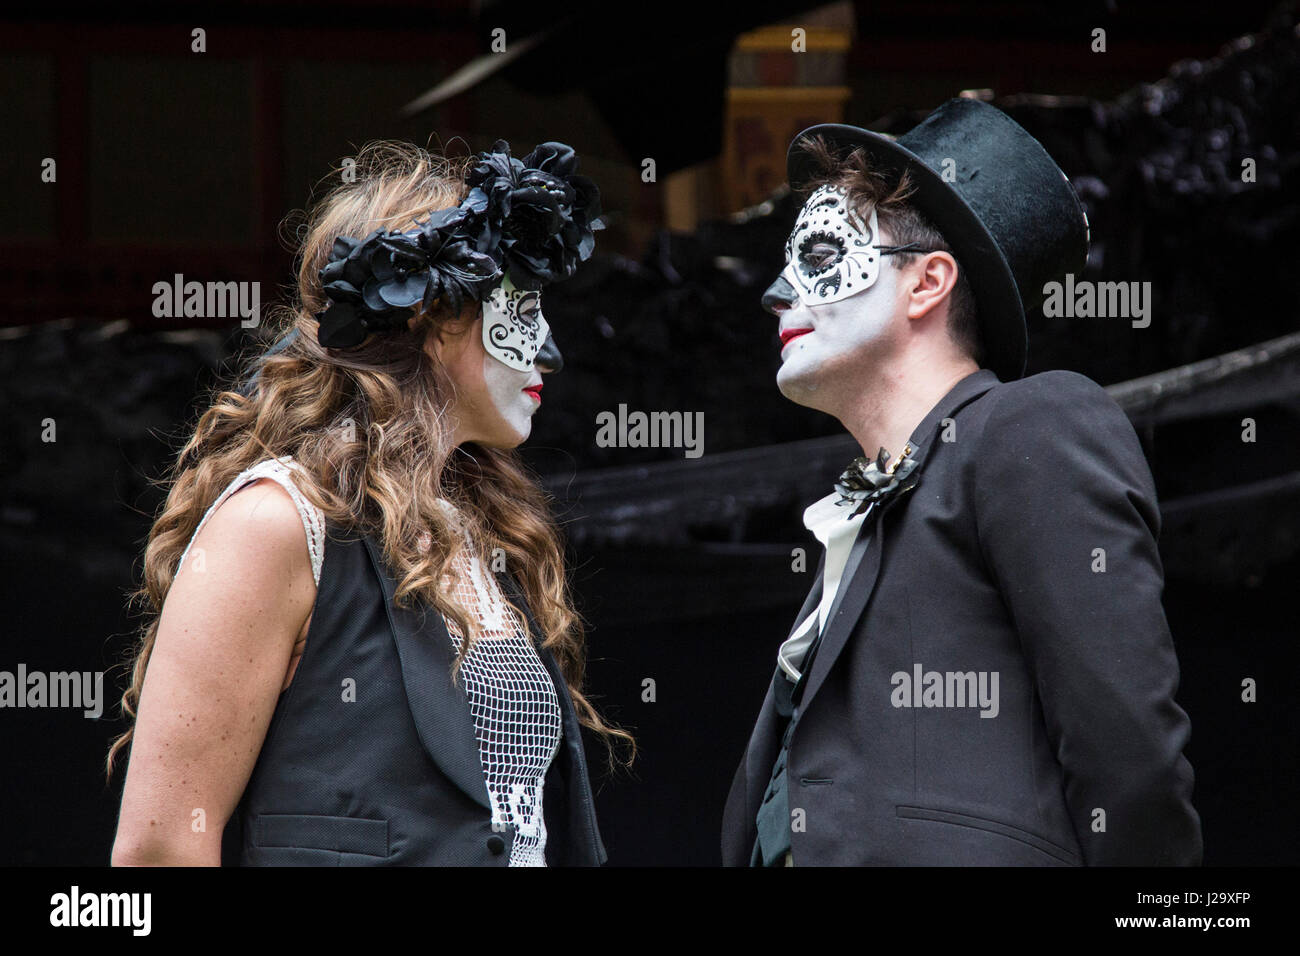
514, 330
831, 254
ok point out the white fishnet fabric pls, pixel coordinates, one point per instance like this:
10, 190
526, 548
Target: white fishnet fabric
514, 704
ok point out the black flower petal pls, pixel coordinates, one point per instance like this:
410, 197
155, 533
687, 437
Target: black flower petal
866, 482
533, 218
340, 327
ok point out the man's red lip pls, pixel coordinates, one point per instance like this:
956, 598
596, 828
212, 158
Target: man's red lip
535, 391
789, 334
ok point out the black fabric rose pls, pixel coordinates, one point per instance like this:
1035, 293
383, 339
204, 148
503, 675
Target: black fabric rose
545, 211
865, 482
374, 284
360, 302
533, 218
465, 252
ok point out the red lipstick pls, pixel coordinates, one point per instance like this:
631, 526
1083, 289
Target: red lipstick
789, 335
535, 391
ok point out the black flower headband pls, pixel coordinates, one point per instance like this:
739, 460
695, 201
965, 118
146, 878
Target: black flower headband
532, 218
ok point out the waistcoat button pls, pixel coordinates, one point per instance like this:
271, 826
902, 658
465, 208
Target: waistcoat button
496, 845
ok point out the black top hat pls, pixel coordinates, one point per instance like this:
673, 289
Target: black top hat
1008, 212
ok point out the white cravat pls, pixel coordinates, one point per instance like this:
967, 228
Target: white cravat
831, 525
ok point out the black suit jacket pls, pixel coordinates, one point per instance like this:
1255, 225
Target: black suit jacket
993, 563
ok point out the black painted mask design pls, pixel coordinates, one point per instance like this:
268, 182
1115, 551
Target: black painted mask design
831, 254
514, 329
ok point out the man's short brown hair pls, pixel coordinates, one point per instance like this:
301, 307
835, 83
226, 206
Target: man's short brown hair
867, 187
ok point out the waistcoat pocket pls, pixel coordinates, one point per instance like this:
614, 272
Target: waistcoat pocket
318, 832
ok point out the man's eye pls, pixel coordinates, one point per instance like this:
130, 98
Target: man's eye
820, 255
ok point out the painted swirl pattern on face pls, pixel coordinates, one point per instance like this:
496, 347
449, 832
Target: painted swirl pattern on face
514, 329
831, 254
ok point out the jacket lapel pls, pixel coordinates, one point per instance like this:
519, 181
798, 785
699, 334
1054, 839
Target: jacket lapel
863, 567
438, 703
856, 585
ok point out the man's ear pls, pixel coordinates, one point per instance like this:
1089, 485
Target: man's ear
931, 279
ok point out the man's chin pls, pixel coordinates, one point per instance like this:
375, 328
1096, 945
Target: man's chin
800, 388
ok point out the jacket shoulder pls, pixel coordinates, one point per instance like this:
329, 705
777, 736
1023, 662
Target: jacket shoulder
1062, 401
1055, 387
1060, 415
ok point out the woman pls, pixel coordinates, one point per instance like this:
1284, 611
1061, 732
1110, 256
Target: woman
299, 705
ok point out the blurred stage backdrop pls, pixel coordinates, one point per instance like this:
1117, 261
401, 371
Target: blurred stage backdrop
176, 161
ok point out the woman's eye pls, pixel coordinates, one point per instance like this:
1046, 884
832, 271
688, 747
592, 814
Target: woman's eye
530, 308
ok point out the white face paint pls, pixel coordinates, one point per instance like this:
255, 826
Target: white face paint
831, 254
514, 329
513, 406
840, 345
832, 345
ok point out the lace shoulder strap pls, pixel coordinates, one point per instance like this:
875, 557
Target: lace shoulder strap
279, 470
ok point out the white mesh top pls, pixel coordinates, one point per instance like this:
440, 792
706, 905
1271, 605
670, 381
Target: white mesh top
511, 695
516, 711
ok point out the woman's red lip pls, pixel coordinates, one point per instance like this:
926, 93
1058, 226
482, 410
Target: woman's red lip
535, 391
788, 334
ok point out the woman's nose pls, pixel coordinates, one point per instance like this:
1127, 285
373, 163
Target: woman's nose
780, 295
548, 357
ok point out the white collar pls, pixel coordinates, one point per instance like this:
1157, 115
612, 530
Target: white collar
824, 517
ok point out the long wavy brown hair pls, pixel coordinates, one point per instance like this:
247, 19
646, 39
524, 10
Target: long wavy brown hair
368, 426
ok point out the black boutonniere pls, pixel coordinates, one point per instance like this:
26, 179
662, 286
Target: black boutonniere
866, 482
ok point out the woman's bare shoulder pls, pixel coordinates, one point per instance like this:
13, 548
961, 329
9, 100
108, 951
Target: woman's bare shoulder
224, 641
254, 542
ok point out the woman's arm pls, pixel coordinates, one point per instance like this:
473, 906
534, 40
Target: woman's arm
223, 645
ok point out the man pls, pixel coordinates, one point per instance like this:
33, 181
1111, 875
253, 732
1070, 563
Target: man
982, 673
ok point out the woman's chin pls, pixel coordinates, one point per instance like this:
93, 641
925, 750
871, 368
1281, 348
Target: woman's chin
509, 436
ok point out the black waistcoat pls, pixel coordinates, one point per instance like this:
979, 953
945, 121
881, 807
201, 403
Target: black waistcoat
371, 759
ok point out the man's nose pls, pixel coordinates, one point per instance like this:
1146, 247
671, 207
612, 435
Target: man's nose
779, 295
548, 356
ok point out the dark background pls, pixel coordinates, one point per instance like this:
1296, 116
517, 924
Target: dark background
170, 161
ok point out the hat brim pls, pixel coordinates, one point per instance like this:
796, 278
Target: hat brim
1001, 312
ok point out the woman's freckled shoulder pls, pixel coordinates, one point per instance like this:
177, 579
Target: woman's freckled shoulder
261, 523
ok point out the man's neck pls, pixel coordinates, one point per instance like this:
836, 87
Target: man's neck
887, 416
